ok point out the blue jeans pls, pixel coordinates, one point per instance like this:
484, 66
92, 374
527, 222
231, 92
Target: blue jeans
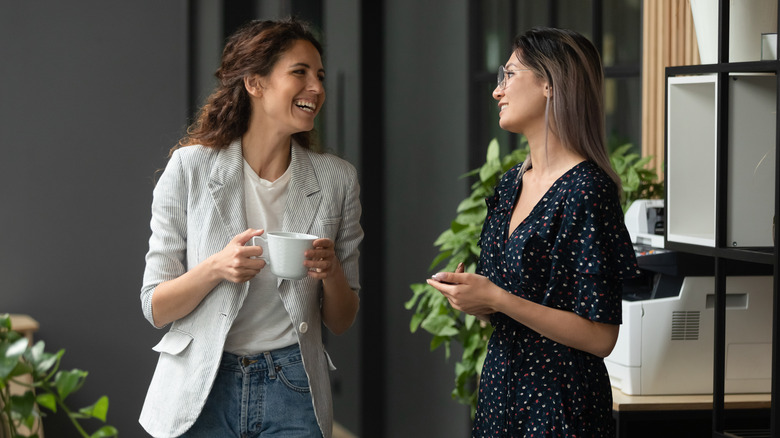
265, 395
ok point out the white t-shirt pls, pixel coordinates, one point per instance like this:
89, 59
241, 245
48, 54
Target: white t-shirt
262, 323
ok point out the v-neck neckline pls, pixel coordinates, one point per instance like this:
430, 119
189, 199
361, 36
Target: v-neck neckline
543, 200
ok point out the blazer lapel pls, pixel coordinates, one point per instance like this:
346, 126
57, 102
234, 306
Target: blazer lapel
226, 184
304, 195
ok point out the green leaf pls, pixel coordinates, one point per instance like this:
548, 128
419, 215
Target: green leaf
472, 344
414, 324
493, 150
458, 225
5, 321
469, 320
97, 410
620, 151
36, 352
105, 431
481, 360
438, 259
48, 401
642, 163
444, 237
475, 217
440, 325
22, 368
437, 341
469, 203
464, 369
10, 353
27, 421
68, 381
47, 361
23, 405
487, 172
418, 289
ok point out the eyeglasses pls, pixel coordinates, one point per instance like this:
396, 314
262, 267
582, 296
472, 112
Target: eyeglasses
504, 75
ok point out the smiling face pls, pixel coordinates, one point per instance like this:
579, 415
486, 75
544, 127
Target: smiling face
522, 102
289, 98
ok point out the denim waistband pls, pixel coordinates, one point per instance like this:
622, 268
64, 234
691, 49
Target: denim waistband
261, 361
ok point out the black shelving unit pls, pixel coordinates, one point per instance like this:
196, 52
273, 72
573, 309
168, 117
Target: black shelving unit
721, 252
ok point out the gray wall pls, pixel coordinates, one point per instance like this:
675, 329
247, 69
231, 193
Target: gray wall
425, 123
93, 94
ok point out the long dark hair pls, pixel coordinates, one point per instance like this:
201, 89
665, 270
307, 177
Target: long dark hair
571, 64
252, 50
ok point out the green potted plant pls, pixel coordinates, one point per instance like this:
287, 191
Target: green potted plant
458, 244
46, 386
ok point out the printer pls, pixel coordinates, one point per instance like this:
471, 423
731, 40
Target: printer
665, 344
645, 222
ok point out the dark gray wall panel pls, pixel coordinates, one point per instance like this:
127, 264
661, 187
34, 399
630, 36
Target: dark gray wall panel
426, 59
92, 94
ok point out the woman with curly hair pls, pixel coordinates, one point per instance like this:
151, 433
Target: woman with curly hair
243, 355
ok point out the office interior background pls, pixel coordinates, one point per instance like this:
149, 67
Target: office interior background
93, 93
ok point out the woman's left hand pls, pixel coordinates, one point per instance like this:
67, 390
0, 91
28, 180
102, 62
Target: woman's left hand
321, 260
470, 293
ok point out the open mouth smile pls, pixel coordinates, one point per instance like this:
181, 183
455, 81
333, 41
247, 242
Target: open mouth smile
306, 105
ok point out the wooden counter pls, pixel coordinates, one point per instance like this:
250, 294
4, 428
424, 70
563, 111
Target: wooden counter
633, 403
681, 415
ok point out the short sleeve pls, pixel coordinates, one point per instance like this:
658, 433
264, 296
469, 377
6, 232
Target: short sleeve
593, 253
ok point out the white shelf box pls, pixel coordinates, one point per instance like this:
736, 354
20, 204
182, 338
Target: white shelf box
691, 159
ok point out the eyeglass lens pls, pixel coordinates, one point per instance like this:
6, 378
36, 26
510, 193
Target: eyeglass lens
501, 77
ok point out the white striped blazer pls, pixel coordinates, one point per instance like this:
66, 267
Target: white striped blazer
198, 208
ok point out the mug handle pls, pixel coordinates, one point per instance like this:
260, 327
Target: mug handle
262, 241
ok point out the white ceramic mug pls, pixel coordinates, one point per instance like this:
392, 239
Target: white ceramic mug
283, 252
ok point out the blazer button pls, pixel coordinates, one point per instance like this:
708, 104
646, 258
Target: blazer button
303, 327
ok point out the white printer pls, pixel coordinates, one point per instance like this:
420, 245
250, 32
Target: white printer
665, 345
645, 222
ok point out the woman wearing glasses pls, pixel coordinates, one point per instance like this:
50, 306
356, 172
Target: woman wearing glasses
555, 250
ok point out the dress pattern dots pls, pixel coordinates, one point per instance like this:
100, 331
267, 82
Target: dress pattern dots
572, 252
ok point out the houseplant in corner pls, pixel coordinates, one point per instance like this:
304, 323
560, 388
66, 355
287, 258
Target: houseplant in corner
49, 387
458, 244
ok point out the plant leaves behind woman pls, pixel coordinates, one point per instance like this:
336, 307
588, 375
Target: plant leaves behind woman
49, 389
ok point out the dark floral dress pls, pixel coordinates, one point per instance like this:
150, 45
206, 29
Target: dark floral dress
572, 252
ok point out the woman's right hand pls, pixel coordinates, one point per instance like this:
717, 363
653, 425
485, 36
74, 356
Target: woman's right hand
174, 299
237, 262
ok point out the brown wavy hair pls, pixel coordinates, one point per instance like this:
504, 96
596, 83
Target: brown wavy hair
252, 50
571, 64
